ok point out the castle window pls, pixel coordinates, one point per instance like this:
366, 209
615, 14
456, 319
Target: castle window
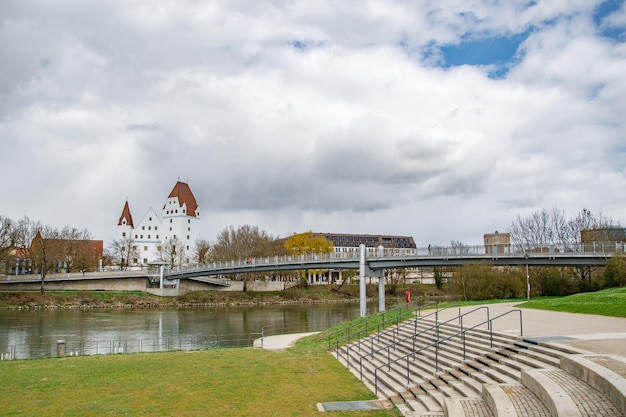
150, 218
174, 236
188, 220
149, 227
148, 236
167, 212
176, 211
170, 220
123, 234
143, 227
135, 236
189, 229
183, 211
155, 228
187, 249
145, 260
145, 248
157, 236
187, 237
141, 236
170, 229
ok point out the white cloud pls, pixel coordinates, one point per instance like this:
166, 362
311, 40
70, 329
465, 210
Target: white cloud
308, 116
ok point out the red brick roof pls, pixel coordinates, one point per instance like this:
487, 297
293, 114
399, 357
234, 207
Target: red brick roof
126, 214
185, 197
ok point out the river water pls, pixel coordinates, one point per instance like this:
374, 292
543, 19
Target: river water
34, 333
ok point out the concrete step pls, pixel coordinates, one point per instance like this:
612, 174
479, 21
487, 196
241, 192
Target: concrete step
566, 395
513, 400
605, 373
467, 407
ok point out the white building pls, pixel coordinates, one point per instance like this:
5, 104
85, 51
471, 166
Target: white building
180, 218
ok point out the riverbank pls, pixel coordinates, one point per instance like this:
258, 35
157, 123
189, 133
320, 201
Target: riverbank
137, 299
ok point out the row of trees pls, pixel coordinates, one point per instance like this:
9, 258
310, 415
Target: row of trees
37, 248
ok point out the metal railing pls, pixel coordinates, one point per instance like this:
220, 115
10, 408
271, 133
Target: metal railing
413, 337
438, 341
364, 327
108, 347
597, 248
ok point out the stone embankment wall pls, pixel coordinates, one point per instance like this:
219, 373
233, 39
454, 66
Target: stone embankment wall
133, 283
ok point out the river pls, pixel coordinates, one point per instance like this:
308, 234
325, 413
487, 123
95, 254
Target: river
34, 333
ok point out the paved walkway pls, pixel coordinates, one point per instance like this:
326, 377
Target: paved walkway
598, 334
281, 341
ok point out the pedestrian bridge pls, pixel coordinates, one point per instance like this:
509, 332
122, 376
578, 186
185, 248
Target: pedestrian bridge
594, 254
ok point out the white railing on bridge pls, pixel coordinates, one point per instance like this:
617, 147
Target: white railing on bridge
488, 252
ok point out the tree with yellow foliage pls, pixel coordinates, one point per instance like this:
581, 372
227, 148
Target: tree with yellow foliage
304, 243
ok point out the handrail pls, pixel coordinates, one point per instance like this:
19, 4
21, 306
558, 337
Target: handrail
413, 337
438, 341
360, 324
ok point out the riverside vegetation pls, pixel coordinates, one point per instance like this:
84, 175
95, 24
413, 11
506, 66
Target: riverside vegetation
139, 299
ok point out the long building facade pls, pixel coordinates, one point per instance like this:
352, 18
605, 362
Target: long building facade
179, 219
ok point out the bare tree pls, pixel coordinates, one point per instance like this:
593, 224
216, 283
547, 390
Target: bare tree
458, 248
540, 229
202, 252
244, 242
123, 252
173, 253
550, 227
7, 239
45, 252
78, 250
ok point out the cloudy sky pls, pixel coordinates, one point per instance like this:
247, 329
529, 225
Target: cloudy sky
443, 120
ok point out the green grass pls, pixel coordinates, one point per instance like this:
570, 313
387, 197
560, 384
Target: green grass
225, 382
610, 302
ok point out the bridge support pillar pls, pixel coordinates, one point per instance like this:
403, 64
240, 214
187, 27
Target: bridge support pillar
381, 284
362, 287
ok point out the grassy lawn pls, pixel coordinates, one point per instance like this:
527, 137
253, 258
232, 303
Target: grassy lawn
610, 302
225, 382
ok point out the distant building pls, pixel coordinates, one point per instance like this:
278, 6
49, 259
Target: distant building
71, 255
604, 234
351, 242
497, 243
180, 218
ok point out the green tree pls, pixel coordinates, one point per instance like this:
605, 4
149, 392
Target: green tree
615, 272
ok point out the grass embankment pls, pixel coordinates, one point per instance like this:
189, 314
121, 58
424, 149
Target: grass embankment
609, 302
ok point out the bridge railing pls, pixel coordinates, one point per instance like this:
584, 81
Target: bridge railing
488, 252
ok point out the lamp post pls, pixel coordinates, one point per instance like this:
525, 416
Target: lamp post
527, 279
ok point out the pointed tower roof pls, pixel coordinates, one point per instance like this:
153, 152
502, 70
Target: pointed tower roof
126, 215
185, 197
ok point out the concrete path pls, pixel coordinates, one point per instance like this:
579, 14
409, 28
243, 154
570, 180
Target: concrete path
598, 334
281, 341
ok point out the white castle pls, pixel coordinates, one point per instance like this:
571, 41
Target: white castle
179, 219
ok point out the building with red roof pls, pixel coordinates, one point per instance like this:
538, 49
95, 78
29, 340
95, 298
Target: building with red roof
179, 219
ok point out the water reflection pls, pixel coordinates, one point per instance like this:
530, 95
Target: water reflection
75, 326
